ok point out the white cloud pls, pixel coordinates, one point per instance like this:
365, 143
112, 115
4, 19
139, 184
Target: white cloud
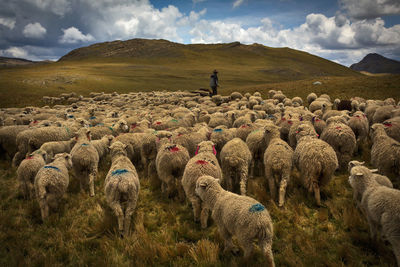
58, 7
369, 9
14, 51
318, 35
198, 1
7, 22
72, 36
237, 3
34, 30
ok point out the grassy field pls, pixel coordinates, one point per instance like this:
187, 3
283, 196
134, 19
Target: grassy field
84, 234
23, 86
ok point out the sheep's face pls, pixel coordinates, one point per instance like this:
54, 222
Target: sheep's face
376, 129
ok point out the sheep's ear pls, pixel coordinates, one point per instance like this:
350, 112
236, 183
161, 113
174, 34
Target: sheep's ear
68, 156
359, 174
203, 185
374, 170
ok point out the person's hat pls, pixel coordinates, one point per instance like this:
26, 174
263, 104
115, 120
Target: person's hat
215, 71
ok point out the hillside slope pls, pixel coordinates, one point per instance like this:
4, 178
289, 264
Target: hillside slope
375, 63
282, 62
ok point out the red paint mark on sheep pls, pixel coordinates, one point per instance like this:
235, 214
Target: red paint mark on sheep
201, 162
29, 157
174, 149
158, 122
388, 124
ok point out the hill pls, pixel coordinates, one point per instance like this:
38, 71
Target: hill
375, 63
283, 63
9, 62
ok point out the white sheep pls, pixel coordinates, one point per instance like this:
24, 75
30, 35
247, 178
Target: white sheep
315, 159
204, 163
240, 216
380, 204
121, 187
27, 171
51, 183
235, 161
277, 161
85, 160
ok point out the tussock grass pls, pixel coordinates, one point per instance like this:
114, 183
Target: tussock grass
84, 232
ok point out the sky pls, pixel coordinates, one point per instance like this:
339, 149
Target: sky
343, 31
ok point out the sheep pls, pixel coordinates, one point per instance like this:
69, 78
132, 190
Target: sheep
315, 159
319, 124
360, 126
382, 180
342, 139
385, 151
121, 187
102, 145
380, 204
204, 163
235, 160
27, 171
240, 216
51, 183
85, 160
191, 139
133, 142
297, 101
218, 119
236, 95
277, 161
32, 139
292, 132
221, 135
256, 145
311, 97
8, 144
170, 163
57, 147
382, 113
243, 131
392, 128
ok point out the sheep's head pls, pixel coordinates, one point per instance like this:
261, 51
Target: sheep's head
118, 148
305, 130
376, 129
204, 184
66, 157
206, 146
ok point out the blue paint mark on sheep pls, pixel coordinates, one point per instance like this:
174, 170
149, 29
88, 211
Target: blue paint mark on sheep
217, 130
257, 208
119, 172
71, 116
51, 167
92, 118
84, 144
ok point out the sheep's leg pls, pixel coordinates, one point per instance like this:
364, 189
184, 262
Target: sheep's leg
145, 166
266, 248
243, 180
117, 210
196, 204
247, 245
44, 208
271, 182
282, 192
317, 194
128, 215
181, 192
204, 217
30, 190
228, 179
170, 186
92, 175
228, 244
252, 167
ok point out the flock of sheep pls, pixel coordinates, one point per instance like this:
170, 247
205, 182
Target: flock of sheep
205, 149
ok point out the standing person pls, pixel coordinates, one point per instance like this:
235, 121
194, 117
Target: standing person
214, 82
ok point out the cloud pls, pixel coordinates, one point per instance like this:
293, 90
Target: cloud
7, 22
370, 9
58, 7
34, 30
72, 36
320, 35
198, 1
237, 3
14, 51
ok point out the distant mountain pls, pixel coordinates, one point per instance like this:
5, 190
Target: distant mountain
375, 63
277, 63
8, 62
